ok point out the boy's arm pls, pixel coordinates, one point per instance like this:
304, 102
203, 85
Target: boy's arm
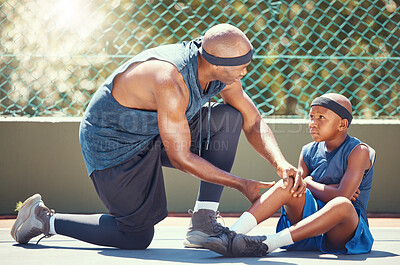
302, 167
358, 162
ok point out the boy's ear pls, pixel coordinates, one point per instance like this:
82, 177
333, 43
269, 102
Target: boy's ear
344, 123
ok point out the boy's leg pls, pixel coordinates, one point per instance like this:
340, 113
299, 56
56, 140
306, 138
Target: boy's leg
268, 204
276, 197
338, 220
227, 243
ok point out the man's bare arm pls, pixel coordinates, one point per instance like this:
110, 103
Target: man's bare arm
258, 132
172, 100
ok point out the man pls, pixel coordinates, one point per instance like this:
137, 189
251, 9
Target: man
148, 114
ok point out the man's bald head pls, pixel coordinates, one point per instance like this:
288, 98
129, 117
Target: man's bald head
340, 99
226, 41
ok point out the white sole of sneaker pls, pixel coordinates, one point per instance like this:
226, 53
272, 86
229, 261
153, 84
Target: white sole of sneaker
187, 244
27, 208
194, 239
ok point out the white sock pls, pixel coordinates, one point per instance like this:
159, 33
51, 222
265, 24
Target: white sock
281, 239
206, 205
52, 229
244, 224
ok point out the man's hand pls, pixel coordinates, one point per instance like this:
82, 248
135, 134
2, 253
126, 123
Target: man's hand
301, 188
355, 195
286, 170
251, 188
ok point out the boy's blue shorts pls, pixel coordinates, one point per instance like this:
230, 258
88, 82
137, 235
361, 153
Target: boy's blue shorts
360, 243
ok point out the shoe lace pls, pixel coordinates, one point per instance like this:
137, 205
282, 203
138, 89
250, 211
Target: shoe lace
50, 213
218, 215
254, 246
45, 236
219, 231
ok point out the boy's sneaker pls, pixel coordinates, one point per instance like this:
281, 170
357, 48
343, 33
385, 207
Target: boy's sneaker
229, 244
33, 220
221, 242
201, 227
249, 246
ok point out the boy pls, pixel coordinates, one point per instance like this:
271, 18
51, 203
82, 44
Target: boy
331, 216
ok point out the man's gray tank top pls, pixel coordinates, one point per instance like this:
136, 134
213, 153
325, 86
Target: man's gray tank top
111, 134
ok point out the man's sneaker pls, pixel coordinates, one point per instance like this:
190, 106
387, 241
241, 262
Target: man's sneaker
201, 227
229, 244
249, 246
33, 220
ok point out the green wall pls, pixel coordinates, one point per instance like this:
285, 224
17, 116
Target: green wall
42, 155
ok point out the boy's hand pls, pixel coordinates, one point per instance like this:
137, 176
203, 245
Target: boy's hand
355, 195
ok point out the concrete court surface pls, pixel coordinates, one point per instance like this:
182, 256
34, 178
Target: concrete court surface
167, 248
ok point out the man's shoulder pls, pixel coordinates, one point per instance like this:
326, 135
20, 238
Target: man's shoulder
168, 81
165, 73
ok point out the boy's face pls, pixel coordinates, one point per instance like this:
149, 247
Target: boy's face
324, 124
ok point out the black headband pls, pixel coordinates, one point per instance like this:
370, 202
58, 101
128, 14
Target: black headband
333, 106
225, 61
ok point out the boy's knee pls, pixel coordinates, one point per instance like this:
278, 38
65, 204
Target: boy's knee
289, 184
281, 185
341, 201
341, 205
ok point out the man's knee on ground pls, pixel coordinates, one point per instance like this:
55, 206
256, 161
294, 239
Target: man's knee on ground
136, 244
137, 240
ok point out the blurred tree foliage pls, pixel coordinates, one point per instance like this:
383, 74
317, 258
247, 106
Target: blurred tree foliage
55, 53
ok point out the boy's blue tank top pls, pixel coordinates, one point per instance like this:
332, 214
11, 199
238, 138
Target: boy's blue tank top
329, 167
111, 134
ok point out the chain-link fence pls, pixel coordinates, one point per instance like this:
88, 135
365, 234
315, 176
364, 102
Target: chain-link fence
55, 53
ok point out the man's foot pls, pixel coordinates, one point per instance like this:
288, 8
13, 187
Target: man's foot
201, 227
229, 244
33, 220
